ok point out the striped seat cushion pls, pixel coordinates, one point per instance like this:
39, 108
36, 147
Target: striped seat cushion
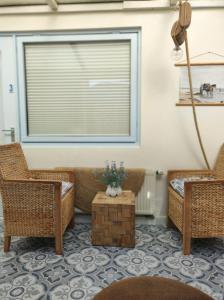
66, 186
178, 183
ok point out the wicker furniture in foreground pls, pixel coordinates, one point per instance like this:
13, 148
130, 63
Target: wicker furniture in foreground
32, 201
113, 220
150, 288
200, 214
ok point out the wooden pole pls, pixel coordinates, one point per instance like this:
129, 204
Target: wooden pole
193, 102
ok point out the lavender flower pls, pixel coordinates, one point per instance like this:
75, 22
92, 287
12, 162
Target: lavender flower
112, 175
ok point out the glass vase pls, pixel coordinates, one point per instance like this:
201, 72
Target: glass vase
113, 191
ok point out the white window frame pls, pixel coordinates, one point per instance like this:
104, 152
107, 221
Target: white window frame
133, 37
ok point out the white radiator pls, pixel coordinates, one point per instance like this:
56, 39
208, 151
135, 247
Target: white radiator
145, 200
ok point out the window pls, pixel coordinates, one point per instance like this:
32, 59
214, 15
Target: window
80, 88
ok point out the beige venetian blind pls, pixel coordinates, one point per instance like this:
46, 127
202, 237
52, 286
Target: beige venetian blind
78, 89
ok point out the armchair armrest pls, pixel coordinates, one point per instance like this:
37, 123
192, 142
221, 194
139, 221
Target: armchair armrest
32, 181
26, 195
24, 186
171, 174
203, 206
206, 187
53, 175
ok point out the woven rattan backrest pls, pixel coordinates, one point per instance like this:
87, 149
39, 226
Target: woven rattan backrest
219, 165
13, 163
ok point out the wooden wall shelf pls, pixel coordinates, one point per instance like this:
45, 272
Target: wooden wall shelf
200, 104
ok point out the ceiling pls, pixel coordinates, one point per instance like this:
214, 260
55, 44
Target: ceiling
54, 4
41, 2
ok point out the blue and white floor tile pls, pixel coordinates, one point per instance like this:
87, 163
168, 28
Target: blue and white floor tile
31, 270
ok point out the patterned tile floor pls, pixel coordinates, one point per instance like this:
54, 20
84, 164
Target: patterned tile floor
31, 270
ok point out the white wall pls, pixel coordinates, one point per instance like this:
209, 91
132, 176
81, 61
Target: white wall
168, 137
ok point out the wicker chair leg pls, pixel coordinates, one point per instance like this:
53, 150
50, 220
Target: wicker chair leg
186, 244
170, 223
58, 245
7, 241
71, 223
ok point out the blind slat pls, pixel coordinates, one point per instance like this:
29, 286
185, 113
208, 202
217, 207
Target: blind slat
78, 88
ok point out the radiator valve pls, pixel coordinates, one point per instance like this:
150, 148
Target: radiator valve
159, 173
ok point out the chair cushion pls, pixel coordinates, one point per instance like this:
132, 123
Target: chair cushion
178, 183
66, 186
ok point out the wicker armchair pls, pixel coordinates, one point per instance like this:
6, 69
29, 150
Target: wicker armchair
200, 214
33, 204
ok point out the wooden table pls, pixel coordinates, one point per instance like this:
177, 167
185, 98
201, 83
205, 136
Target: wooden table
150, 288
113, 220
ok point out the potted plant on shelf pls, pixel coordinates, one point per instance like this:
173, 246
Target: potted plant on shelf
113, 178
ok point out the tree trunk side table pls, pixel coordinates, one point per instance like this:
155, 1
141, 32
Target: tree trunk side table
113, 220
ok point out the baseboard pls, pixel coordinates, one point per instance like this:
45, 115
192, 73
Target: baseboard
82, 218
150, 220
147, 220
161, 220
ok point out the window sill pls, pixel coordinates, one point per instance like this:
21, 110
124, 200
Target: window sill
81, 145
